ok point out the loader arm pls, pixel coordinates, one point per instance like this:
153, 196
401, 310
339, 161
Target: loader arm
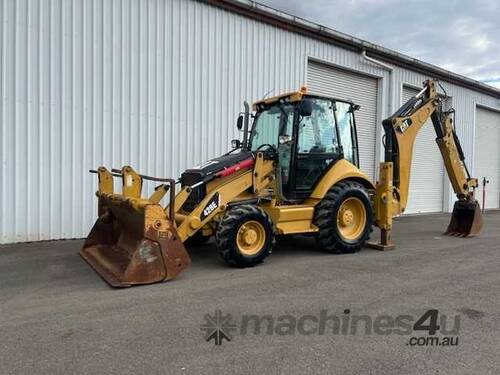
136, 240
214, 203
392, 189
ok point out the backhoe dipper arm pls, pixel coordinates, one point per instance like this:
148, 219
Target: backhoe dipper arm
401, 130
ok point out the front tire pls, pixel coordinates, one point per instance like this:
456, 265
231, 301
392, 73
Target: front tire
245, 236
344, 218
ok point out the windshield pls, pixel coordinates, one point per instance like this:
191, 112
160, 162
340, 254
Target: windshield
269, 124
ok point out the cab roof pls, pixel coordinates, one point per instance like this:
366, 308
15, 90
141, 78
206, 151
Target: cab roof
293, 96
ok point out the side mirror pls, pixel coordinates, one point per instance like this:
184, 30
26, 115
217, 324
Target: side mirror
235, 143
239, 122
306, 107
355, 107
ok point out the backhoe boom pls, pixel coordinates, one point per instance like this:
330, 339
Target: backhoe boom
392, 189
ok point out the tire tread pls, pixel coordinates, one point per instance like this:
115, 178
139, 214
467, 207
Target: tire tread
229, 224
325, 219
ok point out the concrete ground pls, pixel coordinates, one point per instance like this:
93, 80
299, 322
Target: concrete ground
58, 317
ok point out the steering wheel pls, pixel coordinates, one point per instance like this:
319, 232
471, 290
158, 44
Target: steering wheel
270, 152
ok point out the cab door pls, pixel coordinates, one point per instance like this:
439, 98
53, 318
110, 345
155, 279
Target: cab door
316, 148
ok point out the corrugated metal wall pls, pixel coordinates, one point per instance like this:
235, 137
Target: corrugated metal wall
487, 140
152, 83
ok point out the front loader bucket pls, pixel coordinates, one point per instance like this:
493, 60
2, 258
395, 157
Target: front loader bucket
133, 241
466, 219
127, 247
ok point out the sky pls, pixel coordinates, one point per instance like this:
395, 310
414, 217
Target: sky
462, 36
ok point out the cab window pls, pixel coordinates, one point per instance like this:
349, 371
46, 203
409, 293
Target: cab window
347, 133
271, 123
317, 132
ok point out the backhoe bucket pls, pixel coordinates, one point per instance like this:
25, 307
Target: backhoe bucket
133, 241
466, 219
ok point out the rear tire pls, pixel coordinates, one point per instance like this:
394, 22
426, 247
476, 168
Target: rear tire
245, 236
344, 218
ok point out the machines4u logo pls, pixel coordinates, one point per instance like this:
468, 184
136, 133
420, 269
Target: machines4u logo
218, 327
432, 328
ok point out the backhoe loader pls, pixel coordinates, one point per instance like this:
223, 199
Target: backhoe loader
294, 172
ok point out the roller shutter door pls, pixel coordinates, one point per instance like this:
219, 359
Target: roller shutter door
487, 155
427, 170
325, 80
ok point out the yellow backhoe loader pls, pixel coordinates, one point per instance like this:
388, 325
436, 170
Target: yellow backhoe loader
295, 172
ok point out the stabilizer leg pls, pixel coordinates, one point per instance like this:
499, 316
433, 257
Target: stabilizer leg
385, 242
383, 204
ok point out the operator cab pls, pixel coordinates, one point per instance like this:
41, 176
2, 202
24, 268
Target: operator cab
309, 134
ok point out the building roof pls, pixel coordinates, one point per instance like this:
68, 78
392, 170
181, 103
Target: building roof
300, 25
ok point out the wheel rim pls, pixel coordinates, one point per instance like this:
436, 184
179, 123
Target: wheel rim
351, 218
251, 237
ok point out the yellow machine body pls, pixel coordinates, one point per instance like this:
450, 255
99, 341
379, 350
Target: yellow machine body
139, 240
134, 241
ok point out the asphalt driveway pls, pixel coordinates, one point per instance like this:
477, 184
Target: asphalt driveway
58, 317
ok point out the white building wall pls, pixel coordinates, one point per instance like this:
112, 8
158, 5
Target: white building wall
156, 84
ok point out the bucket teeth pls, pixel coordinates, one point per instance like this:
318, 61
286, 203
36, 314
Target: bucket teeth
466, 219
